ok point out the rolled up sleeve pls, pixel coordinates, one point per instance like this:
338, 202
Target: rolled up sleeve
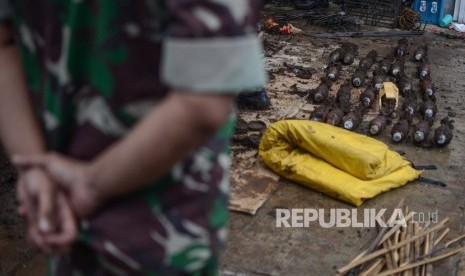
211, 46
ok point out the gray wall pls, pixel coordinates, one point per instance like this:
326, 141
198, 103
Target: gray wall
449, 7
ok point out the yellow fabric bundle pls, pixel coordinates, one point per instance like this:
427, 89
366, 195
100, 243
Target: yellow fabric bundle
334, 161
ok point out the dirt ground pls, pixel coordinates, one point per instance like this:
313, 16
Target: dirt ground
256, 246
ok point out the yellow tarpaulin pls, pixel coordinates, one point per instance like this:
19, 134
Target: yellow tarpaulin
334, 161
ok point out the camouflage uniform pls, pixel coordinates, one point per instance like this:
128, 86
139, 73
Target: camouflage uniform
94, 68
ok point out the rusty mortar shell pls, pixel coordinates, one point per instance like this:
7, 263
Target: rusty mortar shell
378, 82
366, 63
426, 87
321, 93
400, 130
442, 136
386, 65
397, 68
402, 48
421, 53
348, 58
367, 97
343, 94
358, 77
405, 86
421, 131
377, 125
424, 70
429, 109
335, 117
336, 55
320, 113
352, 120
333, 72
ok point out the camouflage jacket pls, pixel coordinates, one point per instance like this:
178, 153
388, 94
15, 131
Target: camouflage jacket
93, 69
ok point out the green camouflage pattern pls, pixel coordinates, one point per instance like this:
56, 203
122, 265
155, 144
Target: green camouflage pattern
92, 68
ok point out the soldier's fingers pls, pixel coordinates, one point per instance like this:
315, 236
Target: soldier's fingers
67, 234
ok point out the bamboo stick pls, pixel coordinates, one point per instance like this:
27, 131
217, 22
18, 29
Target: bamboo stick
408, 234
411, 248
395, 253
380, 252
392, 253
408, 250
425, 261
425, 252
427, 224
403, 236
455, 240
388, 257
395, 228
441, 236
374, 269
379, 238
416, 230
429, 267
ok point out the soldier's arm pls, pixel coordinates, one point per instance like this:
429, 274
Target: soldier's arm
176, 127
210, 53
19, 130
20, 134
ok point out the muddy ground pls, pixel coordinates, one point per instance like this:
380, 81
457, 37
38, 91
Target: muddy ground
257, 247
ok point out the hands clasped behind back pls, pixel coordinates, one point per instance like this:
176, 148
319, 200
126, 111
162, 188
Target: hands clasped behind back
52, 192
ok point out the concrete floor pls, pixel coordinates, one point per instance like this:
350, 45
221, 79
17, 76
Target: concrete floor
257, 247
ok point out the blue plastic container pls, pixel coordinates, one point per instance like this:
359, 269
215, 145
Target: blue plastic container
431, 11
446, 20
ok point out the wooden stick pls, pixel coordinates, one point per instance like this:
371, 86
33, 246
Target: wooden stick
406, 259
379, 238
425, 261
410, 248
387, 256
455, 240
416, 230
380, 252
403, 236
392, 253
441, 236
427, 224
374, 269
395, 253
429, 267
425, 252
395, 228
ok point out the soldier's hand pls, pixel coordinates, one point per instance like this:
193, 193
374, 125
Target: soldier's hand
71, 176
51, 224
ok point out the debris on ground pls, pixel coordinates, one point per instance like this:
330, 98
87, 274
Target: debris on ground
273, 27
405, 246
